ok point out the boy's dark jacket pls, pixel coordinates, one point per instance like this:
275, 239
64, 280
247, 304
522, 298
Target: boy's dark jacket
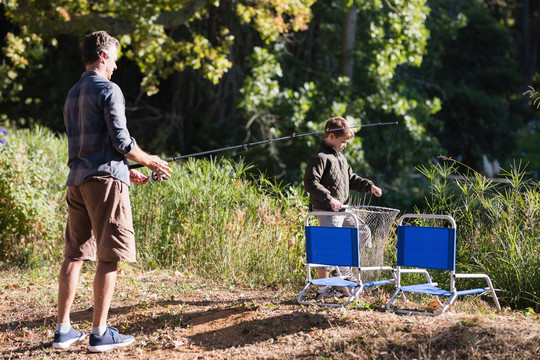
328, 175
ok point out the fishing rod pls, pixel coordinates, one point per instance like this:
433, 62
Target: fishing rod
247, 145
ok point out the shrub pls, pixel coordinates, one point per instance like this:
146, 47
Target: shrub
213, 219
32, 210
498, 227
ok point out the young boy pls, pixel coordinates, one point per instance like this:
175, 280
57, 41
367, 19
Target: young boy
328, 179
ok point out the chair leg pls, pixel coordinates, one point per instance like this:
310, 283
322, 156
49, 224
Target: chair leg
447, 304
301, 295
351, 297
392, 298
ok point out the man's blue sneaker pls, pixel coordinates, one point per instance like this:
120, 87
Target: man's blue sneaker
109, 341
63, 341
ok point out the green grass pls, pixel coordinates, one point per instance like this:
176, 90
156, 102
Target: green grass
224, 221
498, 227
214, 219
32, 206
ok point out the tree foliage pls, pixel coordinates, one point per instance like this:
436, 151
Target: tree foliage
473, 71
202, 74
311, 89
160, 36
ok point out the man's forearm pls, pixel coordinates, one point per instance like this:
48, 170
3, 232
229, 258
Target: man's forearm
152, 162
139, 156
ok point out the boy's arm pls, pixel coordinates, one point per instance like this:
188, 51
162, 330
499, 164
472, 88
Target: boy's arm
358, 183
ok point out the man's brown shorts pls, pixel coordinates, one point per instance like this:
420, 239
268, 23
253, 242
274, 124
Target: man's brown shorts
99, 221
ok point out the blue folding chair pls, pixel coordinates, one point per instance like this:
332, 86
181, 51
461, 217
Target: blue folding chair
338, 247
430, 247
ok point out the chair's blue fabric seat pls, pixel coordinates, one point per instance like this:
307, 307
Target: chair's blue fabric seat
337, 281
379, 282
433, 290
334, 281
426, 289
472, 291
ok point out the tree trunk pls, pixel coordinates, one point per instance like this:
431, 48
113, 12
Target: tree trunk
530, 39
348, 32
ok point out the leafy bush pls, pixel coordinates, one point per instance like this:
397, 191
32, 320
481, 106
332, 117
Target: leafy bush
32, 209
213, 219
498, 227
216, 219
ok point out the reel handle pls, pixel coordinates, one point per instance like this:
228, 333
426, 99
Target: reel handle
156, 177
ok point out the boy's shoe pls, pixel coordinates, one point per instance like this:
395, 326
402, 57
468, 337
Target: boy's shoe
110, 340
347, 274
64, 340
330, 293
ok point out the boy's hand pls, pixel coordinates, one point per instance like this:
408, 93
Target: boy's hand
335, 204
376, 191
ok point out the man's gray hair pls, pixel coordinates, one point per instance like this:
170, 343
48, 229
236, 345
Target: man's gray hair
95, 43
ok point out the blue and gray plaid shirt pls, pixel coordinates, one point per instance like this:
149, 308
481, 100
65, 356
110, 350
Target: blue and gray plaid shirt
98, 138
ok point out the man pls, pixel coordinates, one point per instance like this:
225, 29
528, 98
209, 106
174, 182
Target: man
99, 224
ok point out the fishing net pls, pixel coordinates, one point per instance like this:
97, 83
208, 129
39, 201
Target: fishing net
375, 225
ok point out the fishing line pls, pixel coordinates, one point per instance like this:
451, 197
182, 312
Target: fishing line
389, 151
388, 156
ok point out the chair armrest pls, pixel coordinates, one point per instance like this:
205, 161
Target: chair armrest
419, 271
471, 276
488, 280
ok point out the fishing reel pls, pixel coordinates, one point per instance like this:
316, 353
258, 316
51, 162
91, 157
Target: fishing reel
157, 177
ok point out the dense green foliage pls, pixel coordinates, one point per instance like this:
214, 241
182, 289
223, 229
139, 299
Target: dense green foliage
498, 227
215, 219
162, 36
473, 73
275, 68
32, 206
307, 88
212, 219
451, 73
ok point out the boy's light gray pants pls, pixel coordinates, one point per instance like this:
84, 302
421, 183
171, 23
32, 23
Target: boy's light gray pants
346, 221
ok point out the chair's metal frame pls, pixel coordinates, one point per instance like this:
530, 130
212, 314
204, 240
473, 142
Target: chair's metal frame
353, 288
431, 287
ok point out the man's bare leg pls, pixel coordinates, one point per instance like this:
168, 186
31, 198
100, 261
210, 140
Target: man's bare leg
104, 283
67, 287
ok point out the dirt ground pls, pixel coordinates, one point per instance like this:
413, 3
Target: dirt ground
174, 316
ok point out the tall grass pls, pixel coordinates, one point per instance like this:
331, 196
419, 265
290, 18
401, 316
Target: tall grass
213, 219
498, 226
216, 219
32, 205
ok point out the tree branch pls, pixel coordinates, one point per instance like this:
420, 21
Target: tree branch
173, 19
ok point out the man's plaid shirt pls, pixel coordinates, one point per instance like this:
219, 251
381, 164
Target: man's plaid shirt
98, 138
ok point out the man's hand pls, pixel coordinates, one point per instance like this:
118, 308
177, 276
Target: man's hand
152, 162
137, 177
160, 167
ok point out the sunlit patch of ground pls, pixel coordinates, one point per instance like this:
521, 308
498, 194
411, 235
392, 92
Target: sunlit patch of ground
175, 316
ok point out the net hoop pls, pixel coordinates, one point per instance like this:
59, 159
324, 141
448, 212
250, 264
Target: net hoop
380, 221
